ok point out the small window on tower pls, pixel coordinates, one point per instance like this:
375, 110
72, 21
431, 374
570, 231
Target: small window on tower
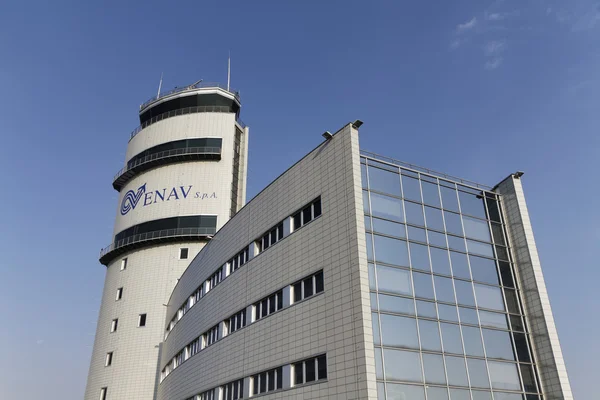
103, 392
108, 361
113, 325
123, 264
119, 294
142, 320
183, 253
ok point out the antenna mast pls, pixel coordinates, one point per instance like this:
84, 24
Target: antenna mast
159, 86
228, 70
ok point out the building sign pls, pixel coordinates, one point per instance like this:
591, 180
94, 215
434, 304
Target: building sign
147, 198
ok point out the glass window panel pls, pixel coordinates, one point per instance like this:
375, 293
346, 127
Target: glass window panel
493, 319
447, 313
440, 263
419, 257
423, 285
399, 331
369, 239
366, 209
498, 234
426, 309
529, 396
386, 207
412, 189
430, 335
433, 365
507, 279
431, 194
380, 391
498, 344
456, 243
437, 393
396, 304
374, 301
396, 391
476, 229
460, 265
479, 395
363, 175
517, 323
391, 251
449, 199
376, 332
504, 375
459, 394
501, 252
414, 213
528, 378
457, 371
493, 208
417, 234
464, 292
384, 181
378, 363
372, 281
444, 290
434, 218
437, 239
389, 228
484, 270
402, 366
451, 338
468, 316
489, 297
453, 223
472, 204
478, 373
483, 249
472, 340
511, 301
394, 280
367, 223
521, 346
507, 396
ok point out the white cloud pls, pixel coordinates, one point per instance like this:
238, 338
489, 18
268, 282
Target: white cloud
494, 47
495, 17
493, 63
467, 25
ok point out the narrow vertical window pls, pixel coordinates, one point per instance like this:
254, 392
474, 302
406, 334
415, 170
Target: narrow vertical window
113, 325
141, 320
103, 392
123, 264
183, 253
108, 361
119, 294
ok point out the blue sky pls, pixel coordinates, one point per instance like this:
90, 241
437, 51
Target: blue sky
477, 89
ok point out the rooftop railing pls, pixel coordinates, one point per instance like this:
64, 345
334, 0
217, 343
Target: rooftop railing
149, 236
183, 111
195, 86
389, 160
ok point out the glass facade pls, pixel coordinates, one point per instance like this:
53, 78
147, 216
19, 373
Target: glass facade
447, 320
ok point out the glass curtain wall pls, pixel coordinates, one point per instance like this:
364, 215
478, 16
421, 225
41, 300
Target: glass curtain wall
447, 320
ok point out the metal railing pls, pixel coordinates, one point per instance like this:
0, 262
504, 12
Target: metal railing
195, 86
389, 160
166, 154
183, 111
162, 234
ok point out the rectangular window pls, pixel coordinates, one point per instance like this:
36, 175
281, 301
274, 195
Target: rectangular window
142, 320
123, 264
267, 381
238, 260
234, 390
183, 253
236, 321
208, 395
212, 335
113, 325
119, 294
108, 361
195, 347
269, 305
310, 370
307, 214
216, 278
103, 393
308, 286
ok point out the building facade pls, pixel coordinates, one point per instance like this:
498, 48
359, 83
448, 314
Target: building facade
353, 276
183, 178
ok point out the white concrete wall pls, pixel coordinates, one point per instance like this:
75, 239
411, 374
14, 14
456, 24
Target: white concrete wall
336, 322
545, 343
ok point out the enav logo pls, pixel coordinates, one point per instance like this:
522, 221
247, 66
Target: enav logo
131, 198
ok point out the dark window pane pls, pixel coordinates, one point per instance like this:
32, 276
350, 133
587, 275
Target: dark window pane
298, 374
363, 175
321, 360
298, 291
493, 209
411, 188
273, 236
386, 207
279, 300
366, 207
306, 215
497, 234
317, 207
511, 301
319, 282
271, 380
263, 382
505, 272
265, 308
369, 240
310, 370
502, 252
308, 287
272, 304
517, 323
384, 181
279, 378
528, 378
255, 385
521, 345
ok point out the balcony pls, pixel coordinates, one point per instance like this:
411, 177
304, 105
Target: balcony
191, 88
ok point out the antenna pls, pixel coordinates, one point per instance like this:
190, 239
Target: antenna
159, 86
228, 70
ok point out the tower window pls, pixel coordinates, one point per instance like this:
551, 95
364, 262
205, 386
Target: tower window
183, 253
124, 264
113, 325
108, 361
142, 320
119, 294
103, 392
